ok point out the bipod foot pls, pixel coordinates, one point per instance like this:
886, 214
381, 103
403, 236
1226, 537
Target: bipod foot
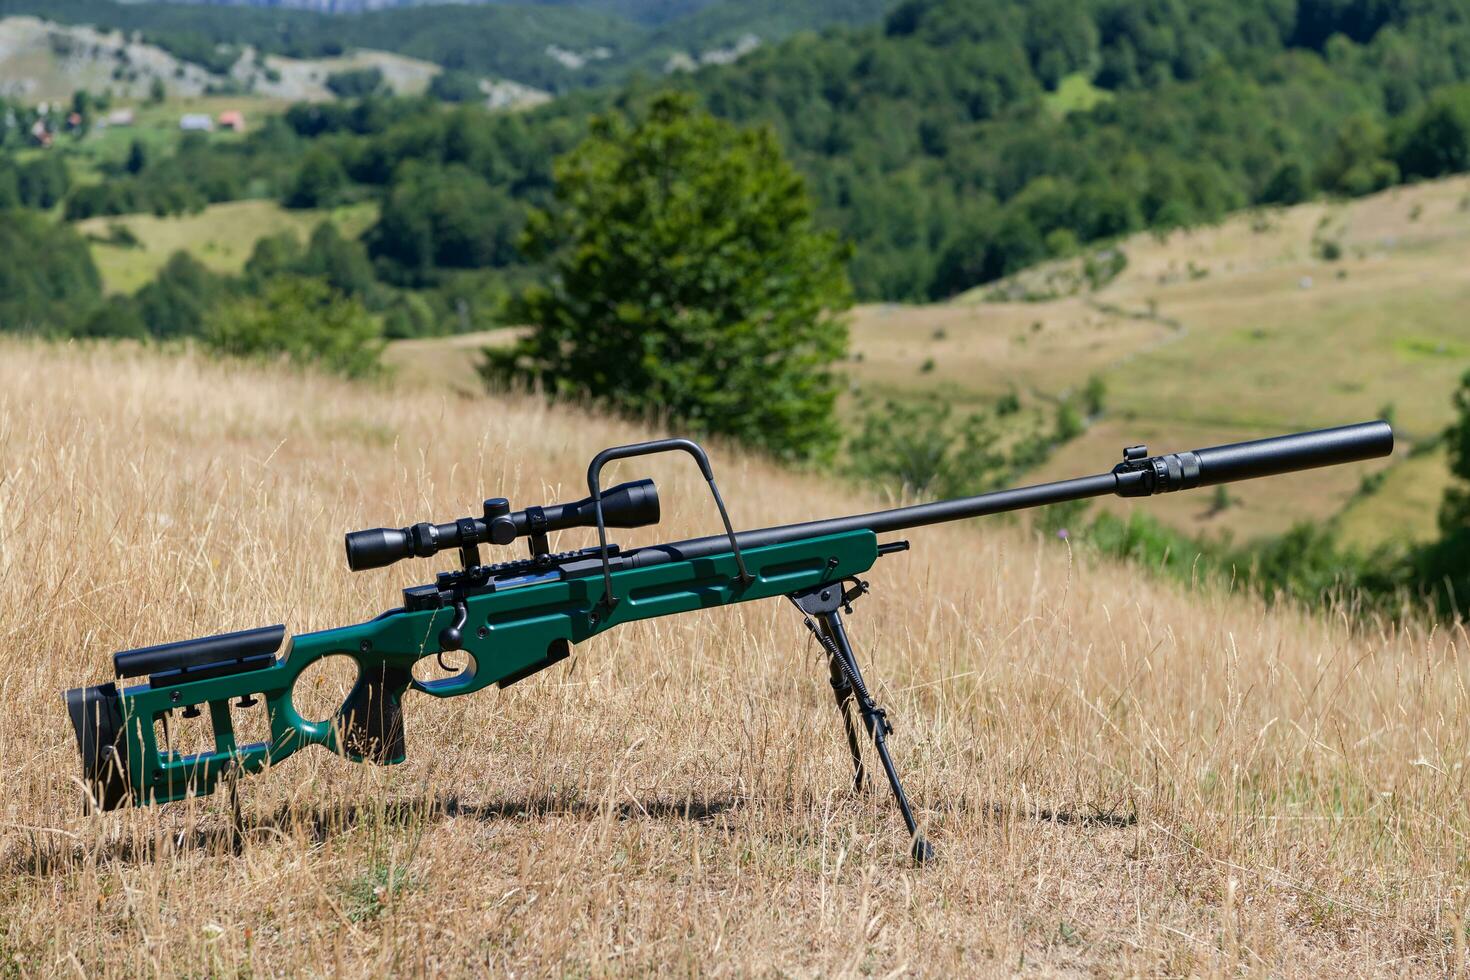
820, 607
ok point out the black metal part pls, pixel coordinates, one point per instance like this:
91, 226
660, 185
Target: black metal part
600, 500
373, 716
206, 656
451, 637
97, 718
633, 504
1220, 464
165, 678
820, 608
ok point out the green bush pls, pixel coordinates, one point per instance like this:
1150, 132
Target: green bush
687, 277
179, 298
319, 181
302, 319
453, 85
355, 83
47, 277
923, 450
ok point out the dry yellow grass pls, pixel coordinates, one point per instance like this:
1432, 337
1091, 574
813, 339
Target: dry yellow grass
1122, 776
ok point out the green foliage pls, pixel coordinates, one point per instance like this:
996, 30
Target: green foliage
355, 83
1357, 164
496, 40
319, 182
1094, 396
201, 171
923, 450
449, 218
303, 319
342, 263
43, 182
178, 300
137, 158
1454, 514
456, 86
686, 277
1069, 422
47, 278
1306, 564
1436, 140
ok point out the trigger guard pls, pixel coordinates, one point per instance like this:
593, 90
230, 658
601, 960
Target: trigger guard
444, 687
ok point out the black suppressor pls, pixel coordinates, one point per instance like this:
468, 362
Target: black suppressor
625, 505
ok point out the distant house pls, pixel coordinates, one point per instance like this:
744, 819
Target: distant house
233, 120
120, 117
196, 122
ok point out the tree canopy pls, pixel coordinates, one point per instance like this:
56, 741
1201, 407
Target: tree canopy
686, 277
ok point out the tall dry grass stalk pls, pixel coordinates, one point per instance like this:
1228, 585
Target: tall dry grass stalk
1121, 775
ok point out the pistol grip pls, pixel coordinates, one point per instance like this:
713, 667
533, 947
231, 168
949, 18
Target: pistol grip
372, 715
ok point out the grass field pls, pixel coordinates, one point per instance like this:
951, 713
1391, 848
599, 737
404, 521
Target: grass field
222, 236
1122, 776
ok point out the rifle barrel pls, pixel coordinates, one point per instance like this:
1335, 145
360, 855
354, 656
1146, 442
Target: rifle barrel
1136, 476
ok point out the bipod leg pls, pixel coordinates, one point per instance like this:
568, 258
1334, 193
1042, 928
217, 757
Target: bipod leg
842, 691
821, 604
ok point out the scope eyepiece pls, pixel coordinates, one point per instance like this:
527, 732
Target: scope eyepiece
632, 504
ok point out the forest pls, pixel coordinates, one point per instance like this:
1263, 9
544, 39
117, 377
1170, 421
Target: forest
500, 40
936, 143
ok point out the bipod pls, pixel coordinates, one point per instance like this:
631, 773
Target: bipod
821, 609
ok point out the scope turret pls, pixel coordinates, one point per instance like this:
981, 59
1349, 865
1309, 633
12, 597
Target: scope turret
632, 504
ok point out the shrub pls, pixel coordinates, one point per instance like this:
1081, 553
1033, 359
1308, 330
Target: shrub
686, 277
47, 276
922, 449
304, 320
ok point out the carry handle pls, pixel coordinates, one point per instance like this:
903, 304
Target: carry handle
594, 475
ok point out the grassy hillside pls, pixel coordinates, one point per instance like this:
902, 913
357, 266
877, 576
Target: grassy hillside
1232, 331
1206, 337
551, 46
1122, 777
221, 236
42, 60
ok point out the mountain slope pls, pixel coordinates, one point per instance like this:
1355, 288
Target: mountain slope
552, 46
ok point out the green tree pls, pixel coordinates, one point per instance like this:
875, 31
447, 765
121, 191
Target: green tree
687, 277
179, 298
456, 86
1454, 512
319, 182
44, 181
273, 255
355, 83
1436, 141
47, 277
302, 319
448, 217
921, 449
342, 262
137, 157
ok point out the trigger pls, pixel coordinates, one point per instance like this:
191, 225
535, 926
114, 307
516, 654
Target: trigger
452, 636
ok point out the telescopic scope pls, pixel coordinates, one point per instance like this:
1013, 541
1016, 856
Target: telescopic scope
632, 504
